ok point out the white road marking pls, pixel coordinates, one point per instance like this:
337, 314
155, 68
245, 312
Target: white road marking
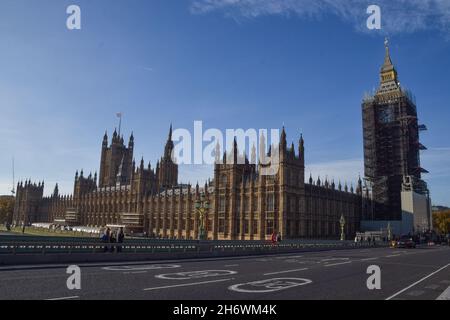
269, 285
187, 284
417, 282
285, 271
368, 259
392, 255
336, 264
289, 257
187, 275
63, 298
135, 272
141, 267
231, 265
444, 295
334, 259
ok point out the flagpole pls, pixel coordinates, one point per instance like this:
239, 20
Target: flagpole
120, 122
119, 115
13, 176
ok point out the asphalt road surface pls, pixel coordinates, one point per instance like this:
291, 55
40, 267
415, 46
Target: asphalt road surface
422, 273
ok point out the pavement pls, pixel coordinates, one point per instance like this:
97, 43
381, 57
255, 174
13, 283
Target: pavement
405, 274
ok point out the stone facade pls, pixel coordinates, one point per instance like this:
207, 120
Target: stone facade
244, 204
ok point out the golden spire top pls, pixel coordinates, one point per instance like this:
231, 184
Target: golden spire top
388, 72
388, 66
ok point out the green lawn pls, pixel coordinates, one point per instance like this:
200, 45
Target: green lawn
46, 232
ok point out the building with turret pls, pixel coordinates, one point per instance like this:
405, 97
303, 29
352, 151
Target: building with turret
244, 204
392, 154
243, 201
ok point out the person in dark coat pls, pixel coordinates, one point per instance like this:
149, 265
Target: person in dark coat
120, 238
112, 239
106, 238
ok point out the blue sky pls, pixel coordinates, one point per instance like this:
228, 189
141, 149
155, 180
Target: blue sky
230, 63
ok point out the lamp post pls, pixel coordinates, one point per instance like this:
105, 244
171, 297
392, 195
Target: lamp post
201, 207
389, 230
342, 223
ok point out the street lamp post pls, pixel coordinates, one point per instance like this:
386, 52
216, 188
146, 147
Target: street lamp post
202, 206
389, 230
342, 223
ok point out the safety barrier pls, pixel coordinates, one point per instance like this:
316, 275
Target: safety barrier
159, 246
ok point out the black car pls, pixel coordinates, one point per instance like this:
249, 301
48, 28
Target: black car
406, 242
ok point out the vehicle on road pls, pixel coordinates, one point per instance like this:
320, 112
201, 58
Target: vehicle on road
405, 242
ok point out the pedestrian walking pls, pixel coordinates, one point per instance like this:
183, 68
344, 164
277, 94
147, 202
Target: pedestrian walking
120, 238
279, 237
113, 240
274, 238
105, 238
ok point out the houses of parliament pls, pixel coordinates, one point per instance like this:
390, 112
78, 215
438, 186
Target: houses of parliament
243, 203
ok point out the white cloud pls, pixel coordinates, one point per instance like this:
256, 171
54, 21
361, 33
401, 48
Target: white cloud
397, 15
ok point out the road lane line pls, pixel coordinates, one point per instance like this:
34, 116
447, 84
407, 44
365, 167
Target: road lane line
417, 282
231, 265
63, 298
393, 255
444, 295
285, 271
336, 264
187, 284
334, 259
368, 259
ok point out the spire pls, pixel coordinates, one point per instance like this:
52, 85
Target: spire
388, 74
105, 139
253, 155
169, 145
131, 141
283, 137
217, 152
387, 58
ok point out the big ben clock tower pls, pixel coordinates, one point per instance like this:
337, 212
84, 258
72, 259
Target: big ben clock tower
391, 143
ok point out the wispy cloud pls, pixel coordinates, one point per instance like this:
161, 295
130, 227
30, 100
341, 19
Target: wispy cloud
398, 16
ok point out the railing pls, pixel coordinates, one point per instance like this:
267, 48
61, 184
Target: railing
164, 246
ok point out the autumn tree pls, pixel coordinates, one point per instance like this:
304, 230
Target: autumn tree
6, 208
441, 221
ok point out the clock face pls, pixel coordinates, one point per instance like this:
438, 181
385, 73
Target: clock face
386, 115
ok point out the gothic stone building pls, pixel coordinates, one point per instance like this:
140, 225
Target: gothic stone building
244, 204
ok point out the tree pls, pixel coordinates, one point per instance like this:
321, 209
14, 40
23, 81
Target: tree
441, 221
6, 208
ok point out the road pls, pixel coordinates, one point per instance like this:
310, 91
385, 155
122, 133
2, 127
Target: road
422, 273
